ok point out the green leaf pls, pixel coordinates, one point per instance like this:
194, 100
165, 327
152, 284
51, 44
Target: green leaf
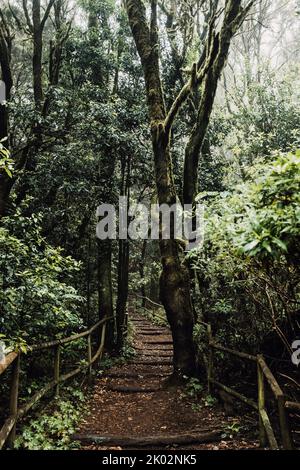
250, 246
281, 244
267, 246
8, 172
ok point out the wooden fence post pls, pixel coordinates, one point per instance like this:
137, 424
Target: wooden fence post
57, 369
261, 405
14, 396
89, 358
103, 338
286, 436
126, 324
210, 359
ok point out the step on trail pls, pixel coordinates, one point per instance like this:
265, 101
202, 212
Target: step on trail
132, 408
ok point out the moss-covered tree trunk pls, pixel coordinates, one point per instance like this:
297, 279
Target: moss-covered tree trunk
234, 15
123, 261
6, 77
105, 291
106, 173
174, 281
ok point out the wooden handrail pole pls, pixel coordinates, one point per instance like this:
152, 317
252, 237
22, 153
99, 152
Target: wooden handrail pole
286, 436
103, 332
210, 359
261, 405
8, 430
57, 369
14, 397
103, 335
89, 344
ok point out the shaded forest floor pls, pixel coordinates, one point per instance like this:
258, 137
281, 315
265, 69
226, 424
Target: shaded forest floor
131, 407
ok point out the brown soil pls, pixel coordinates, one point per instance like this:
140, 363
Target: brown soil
133, 400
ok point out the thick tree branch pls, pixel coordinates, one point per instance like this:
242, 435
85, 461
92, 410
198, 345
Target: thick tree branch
27, 17
146, 40
47, 13
16, 18
5, 62
198, 74
4, 24
234, 15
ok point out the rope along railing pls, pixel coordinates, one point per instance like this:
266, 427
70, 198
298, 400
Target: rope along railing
264, 377
13, 360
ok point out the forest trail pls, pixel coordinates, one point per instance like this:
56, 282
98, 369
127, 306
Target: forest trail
131, 407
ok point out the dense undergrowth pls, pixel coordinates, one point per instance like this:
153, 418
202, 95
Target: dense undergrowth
52, 429
248, 271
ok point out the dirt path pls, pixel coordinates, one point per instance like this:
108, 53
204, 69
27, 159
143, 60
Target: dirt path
132, 408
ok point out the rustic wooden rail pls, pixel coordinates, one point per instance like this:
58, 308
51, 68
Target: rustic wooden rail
264, 376
8, 430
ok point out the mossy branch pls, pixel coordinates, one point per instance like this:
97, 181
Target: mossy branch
197, 77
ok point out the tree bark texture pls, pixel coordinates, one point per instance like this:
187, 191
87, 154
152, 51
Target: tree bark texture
233, 18
174, 281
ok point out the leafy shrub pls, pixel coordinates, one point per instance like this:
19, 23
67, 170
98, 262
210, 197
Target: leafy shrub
53, 430
36, 298
248, 270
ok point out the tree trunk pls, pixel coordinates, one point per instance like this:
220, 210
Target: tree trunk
35, 26
174, 281
6, 76
123, 276
105, 285
232, 20
142, 272
104, 247
123, 263
37, 54
5, 188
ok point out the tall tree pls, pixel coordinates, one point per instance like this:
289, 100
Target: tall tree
7, 78
234, 16
33, 25
174, 282
36, 24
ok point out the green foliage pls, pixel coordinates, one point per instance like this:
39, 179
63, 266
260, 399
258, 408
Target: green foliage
193, 388
231, 431
155, 314
53, 430
6, 163
36, 297
263, 120
248, 270
269, 222
273, 114
209, 401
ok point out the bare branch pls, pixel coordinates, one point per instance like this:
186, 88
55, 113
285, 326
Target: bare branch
16, 18
197, 76
4, 23
242, 15
153, 27
47, 13
28, 20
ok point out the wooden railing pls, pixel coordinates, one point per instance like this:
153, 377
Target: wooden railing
8, 430
264, 377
